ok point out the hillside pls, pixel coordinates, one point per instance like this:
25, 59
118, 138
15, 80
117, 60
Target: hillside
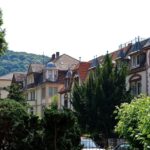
19, 61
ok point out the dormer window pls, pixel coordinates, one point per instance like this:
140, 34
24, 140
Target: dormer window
51, 72
135, 61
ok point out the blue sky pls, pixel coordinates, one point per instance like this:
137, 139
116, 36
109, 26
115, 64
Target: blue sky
80, 28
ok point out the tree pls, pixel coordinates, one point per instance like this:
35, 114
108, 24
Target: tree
61, 131
3, 44
96, 99
134, 122
16, 93
12, 125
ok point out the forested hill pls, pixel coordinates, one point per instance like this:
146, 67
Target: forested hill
19, 61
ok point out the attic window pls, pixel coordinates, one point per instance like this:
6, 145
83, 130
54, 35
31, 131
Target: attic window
135, 61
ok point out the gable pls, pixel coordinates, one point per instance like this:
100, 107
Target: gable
65, 61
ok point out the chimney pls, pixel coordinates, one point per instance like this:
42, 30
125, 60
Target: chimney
57, 54
53, 57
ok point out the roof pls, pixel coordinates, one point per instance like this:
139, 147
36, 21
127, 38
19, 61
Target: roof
10, 75
19, 76
35, 68
139, 45
120, 53
50, 65
147, 43
64, 62
82, 69
7, 76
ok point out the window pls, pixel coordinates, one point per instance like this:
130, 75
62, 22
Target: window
135, 60
66, 100
52, 91
135, 88
43, 93
49, 74
32, 95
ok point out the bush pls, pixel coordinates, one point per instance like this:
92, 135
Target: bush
134, 122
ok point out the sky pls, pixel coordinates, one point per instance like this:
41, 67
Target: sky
79, 28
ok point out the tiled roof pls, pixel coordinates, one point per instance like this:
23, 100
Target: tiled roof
82, 69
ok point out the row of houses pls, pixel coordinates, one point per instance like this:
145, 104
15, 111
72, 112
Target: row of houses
43, 83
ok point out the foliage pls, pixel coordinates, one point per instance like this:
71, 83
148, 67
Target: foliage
61, 130
3, 43
16, 93
19, 61
12, 125
134, 122
54, 103
19, 130
96, 99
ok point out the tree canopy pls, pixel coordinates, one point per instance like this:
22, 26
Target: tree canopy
61, 128
12, 61
3, 43
15, 93
96, 99
134, 122
12, 125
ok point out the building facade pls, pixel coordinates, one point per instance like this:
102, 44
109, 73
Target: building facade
44, 81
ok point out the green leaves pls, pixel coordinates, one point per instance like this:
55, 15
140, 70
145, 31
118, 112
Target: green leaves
3, 43
96, 99
12, 127
15, 93
12, 61
61, 130
134, 121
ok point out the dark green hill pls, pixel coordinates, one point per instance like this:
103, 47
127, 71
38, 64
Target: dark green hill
19, 61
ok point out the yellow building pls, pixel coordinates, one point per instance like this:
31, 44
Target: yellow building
44, 81
5, 81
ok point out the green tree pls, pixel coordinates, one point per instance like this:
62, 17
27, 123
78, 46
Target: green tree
134, 122
12, 125
16, 93
3, 44
61, 131
96, 99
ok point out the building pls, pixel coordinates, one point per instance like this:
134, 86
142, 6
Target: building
77, 74
136, 54
44, 81
6, 80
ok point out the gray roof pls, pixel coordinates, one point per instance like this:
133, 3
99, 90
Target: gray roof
35, 68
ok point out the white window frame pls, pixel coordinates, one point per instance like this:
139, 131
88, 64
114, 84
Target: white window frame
135, 61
